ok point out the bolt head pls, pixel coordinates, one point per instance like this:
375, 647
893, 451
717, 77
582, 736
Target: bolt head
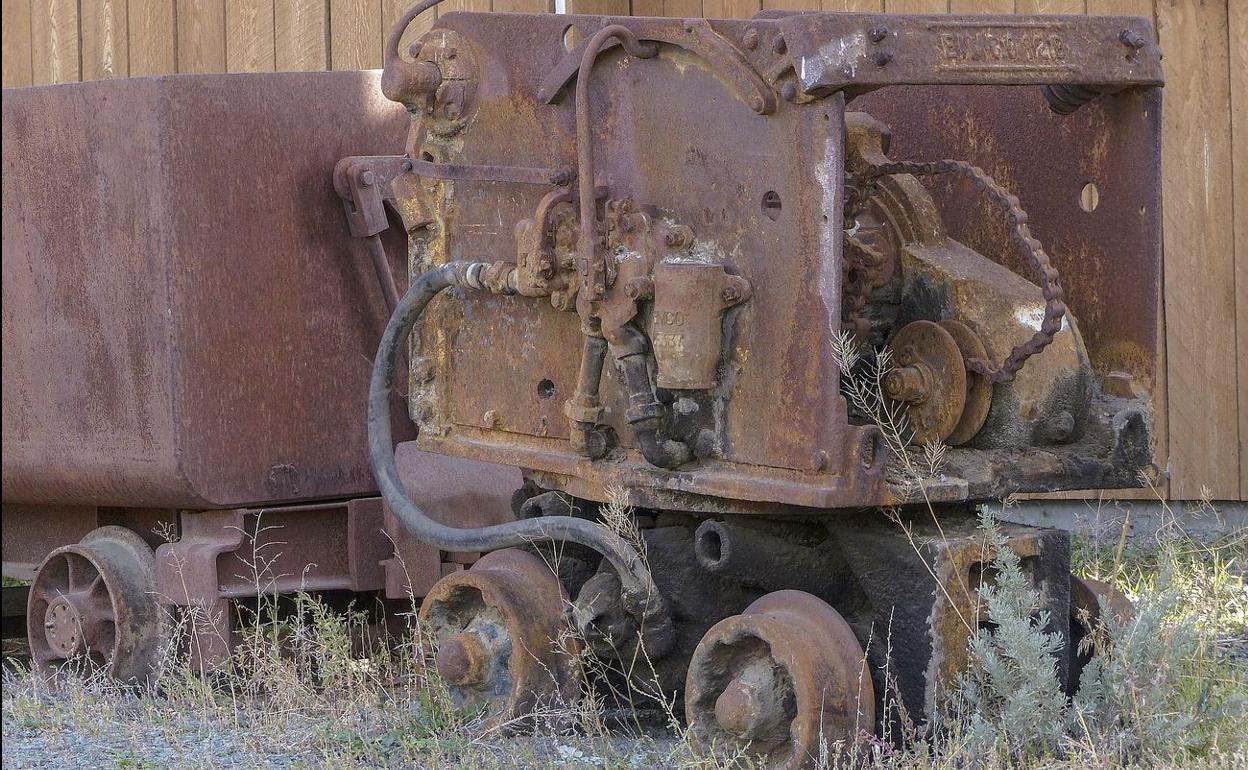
750, 39
367, 179
881, 58
461, 660
878, 34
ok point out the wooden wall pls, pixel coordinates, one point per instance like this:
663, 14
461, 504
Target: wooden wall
1205, 144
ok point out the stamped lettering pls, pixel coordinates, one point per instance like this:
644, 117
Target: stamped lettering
997, 48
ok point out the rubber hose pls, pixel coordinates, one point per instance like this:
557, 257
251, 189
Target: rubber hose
639, 592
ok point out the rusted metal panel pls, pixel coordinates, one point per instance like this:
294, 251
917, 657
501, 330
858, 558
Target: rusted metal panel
759, 183
1109, 257
31, 532
506, 347
186, 321
862, 51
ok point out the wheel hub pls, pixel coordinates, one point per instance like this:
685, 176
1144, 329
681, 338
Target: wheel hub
64, 627
463, 660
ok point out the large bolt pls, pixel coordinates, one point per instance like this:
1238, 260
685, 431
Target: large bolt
905, 383
1132, 39
750, 40
749, 710
734, 708
462, 659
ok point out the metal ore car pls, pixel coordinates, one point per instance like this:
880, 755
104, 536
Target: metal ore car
838, 263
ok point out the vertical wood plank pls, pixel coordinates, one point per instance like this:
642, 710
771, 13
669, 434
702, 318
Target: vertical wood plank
861, 6
528, 6
54, 42
153, 35
300, 35
981, 6
105, 39
15, 40
1051, 6
601, 7
390, 12
858, 6
1238, 39
450, 6
1198, 243
647, 7
201, 36
730, 9
356, 34
249, 36
916, 6
1121, 8
789, 5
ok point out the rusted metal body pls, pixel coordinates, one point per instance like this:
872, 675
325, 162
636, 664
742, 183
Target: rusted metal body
354, 546
708, 205
726, 145
187, 327
186, 321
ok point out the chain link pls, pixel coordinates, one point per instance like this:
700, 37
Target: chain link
1050, 280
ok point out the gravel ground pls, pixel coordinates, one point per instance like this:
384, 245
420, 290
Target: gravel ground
110, 729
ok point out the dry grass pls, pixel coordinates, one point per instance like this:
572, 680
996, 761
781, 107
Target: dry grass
1170, 688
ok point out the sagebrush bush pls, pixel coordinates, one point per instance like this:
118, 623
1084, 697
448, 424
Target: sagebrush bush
1161, 688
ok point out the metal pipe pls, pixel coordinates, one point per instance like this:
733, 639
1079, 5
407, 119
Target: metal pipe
641, 596
584, 142
385, 276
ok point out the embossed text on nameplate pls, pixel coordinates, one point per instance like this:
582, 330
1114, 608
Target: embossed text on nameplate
1001, 47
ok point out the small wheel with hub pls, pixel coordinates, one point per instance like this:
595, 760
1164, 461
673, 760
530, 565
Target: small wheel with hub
777, 680
93, 607
978, 388
944, 402
498, 631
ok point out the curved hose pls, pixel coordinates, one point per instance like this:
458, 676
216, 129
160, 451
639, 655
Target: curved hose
640, 595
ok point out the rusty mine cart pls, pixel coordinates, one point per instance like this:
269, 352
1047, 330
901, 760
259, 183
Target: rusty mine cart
818, 249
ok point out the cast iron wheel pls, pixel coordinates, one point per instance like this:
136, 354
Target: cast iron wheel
500, 638
93, 608
777, 680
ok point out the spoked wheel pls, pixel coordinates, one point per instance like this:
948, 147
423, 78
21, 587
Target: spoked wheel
777, 680
498, 630
93, 607
1090, 601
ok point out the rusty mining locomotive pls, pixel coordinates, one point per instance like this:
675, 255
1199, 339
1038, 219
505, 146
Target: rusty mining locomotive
744, 217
